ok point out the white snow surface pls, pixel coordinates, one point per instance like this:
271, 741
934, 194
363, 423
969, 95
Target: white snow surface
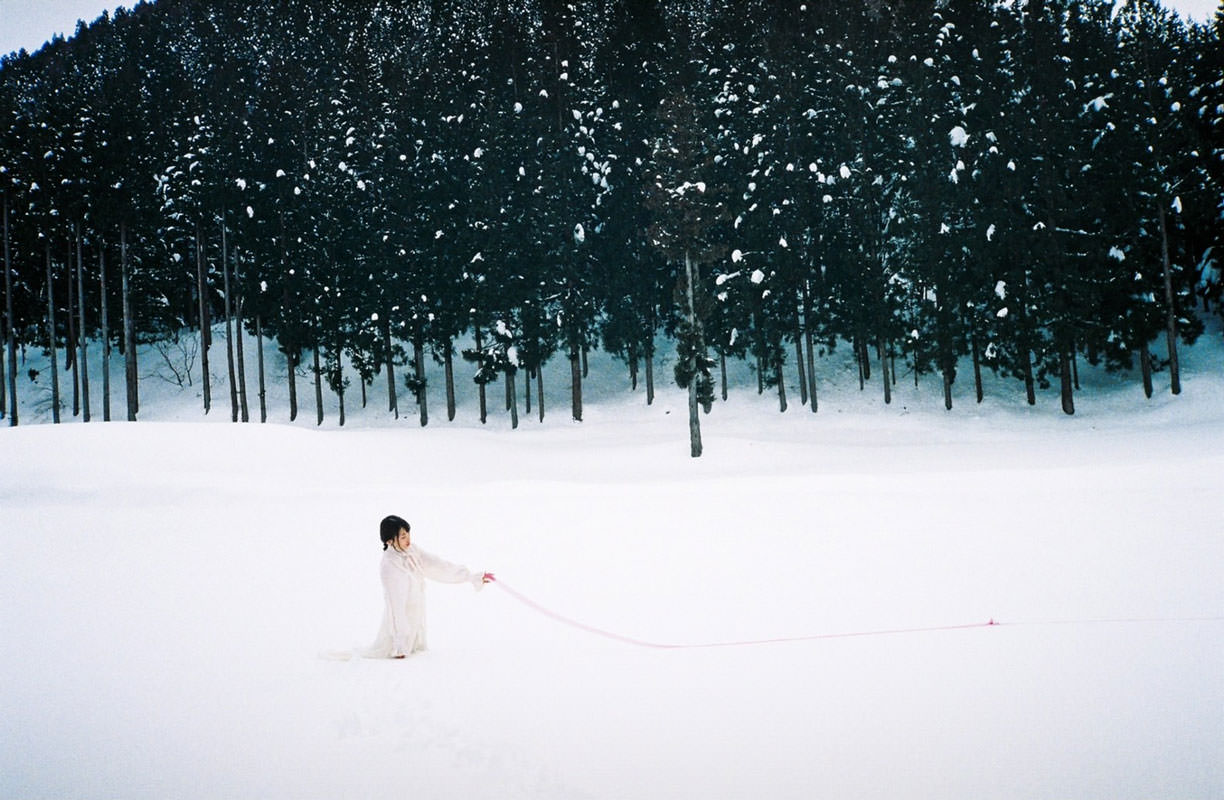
167, 589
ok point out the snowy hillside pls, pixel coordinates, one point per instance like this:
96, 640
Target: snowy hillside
167, 590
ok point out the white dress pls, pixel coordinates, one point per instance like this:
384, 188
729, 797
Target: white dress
403, 578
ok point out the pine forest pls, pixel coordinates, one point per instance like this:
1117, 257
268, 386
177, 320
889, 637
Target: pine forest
940, 188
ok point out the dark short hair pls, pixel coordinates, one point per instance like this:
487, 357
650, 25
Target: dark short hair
390, 527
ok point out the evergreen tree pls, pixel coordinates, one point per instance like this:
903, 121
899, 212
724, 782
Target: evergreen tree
688, 228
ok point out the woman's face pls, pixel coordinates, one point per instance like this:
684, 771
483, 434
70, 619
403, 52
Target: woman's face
402, 541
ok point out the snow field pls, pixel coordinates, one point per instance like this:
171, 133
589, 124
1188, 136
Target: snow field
167, 590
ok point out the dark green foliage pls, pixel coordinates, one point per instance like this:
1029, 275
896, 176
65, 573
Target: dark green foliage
926, 181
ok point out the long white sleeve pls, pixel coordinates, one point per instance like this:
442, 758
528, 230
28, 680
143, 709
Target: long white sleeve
437, 569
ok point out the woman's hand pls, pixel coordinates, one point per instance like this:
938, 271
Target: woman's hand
487, 578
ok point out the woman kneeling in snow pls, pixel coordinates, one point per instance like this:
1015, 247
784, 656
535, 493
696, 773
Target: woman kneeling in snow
404, 570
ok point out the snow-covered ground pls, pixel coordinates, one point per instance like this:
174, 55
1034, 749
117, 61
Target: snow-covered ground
167, 589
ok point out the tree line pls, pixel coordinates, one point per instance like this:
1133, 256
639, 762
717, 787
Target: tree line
1017, 187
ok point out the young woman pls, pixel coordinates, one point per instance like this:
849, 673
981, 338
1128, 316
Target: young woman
405, 567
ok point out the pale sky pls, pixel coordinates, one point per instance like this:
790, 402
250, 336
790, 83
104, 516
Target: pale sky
30, 23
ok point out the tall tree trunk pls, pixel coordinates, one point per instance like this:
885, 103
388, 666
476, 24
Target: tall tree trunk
259, 356
575, 359
1030, 384
448, 369
694, 422
539, 371
229, 327
883, 369
318, 383
129, 330
633, 369
977, 364
10, 340
811, 367
480, 387
239, 350
293, 357
83, 358
205, 321
1030, 390
803, 391
650, 387
858, 359
527, 391
865, 357
418, 363
804, 339
1064, 375
947, 368
808, 344
508, 390
291, 362
392, 395
55, 394
781, 379
512, 388
690, 275
1145, 367
586, 366
340, 381
106, 340
722, 374
70, 346
1171, 318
